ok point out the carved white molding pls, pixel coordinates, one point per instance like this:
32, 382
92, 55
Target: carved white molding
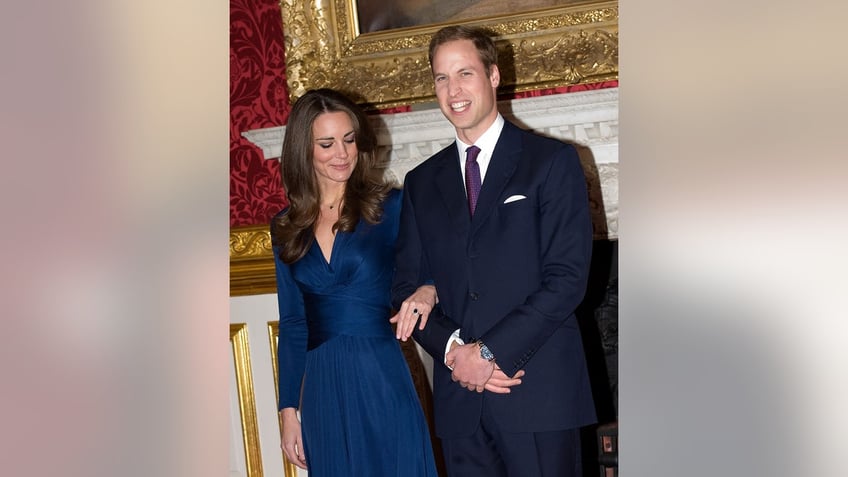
587, 119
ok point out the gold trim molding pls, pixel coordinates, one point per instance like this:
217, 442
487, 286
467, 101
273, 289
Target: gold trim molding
553, 47
251, 261
247, 399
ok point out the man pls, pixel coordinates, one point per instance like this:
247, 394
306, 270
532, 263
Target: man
508, 268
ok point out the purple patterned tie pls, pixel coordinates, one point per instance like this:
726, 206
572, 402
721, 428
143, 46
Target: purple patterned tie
472, 177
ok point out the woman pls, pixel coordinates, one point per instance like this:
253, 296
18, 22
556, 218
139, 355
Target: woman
339, 361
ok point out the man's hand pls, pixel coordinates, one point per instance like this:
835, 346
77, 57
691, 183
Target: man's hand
469, 369
500, 383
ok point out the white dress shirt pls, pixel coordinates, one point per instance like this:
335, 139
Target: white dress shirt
486, 143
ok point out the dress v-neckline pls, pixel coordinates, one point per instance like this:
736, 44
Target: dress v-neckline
328, 261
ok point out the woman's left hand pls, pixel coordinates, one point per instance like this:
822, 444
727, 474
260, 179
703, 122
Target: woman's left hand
417, 306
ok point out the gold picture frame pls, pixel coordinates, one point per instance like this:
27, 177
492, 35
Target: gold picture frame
273, 336
246, 398
558, 46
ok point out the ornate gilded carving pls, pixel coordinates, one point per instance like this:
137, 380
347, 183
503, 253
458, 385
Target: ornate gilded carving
572, 59
556, 47
251, 261
250, 242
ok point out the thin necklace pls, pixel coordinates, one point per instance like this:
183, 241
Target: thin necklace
332, 205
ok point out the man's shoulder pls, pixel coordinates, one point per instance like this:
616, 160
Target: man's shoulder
530, 135
446, 152
435, 161
536, 143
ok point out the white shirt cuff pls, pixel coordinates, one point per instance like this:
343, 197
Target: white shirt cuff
453, 338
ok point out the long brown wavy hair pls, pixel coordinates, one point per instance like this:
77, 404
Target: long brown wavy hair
365, 190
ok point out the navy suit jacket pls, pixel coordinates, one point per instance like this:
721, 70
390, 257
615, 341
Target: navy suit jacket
511, 276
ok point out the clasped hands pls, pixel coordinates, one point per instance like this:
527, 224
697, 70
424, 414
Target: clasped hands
470, 370
474, 373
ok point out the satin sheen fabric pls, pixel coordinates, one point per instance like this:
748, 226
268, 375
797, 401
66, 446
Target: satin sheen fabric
360, 412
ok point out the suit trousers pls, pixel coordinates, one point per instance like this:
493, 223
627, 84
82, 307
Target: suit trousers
494, 453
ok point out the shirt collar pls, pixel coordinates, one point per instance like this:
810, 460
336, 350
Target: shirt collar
487, 141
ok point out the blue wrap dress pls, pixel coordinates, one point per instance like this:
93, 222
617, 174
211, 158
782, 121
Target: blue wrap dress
360, 414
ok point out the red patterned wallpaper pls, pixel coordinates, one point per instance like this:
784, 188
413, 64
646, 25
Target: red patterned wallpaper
259, 99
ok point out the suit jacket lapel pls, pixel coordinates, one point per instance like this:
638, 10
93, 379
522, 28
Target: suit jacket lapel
451, 187
502, 165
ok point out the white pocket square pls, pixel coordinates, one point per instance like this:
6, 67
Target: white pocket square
513, 198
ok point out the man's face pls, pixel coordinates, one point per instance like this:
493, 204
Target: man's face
466, 95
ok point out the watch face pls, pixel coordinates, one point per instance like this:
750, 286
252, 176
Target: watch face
485, 353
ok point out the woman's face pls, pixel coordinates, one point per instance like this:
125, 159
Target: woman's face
334, 151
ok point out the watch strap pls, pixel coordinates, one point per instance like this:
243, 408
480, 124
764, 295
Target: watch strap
485, 353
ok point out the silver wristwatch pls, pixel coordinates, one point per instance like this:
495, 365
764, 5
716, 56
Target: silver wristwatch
484, 352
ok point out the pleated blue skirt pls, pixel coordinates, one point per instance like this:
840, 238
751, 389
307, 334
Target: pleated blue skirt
360, 413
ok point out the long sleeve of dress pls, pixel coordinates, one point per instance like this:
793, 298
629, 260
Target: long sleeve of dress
291, 346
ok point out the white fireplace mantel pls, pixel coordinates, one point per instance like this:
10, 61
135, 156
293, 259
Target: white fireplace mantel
587, 119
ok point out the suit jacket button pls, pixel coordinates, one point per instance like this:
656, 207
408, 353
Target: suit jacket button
474, 296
